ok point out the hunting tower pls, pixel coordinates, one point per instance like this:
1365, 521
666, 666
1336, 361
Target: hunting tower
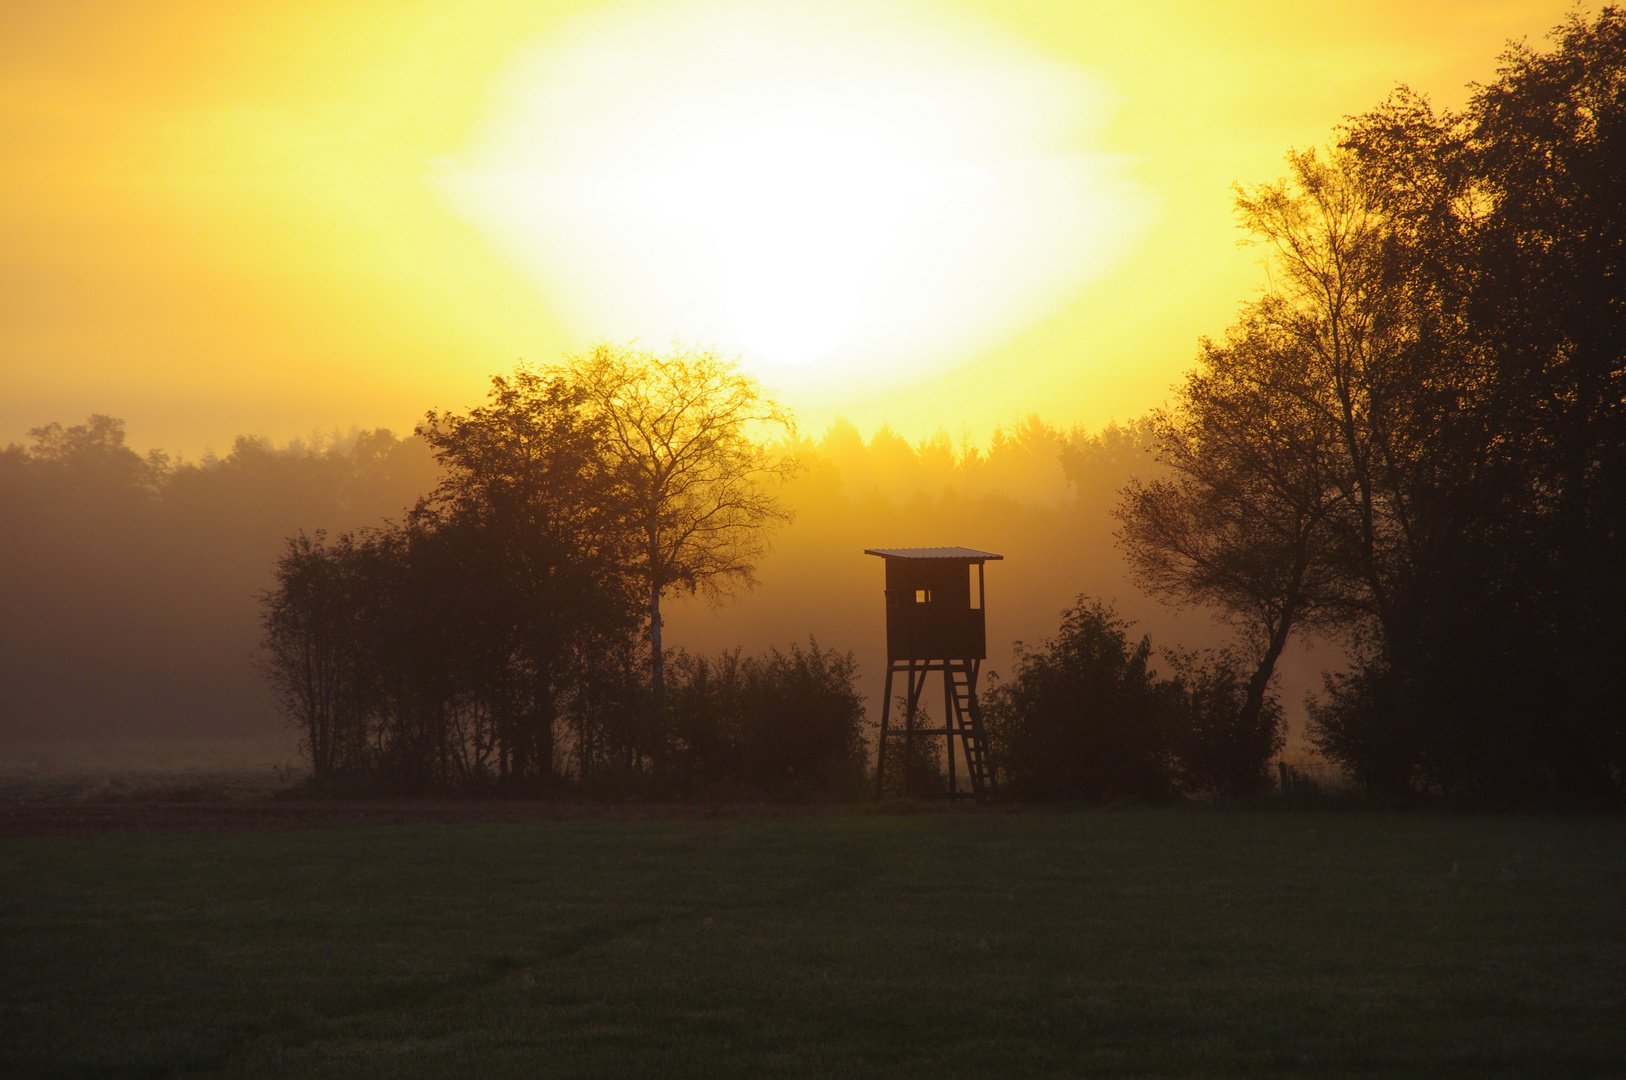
935, 621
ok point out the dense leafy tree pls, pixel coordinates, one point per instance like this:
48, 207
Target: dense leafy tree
1510, 237
453, 646
490, 638
313, 653
1229, 731
1086, 717
527, 522
1448, 293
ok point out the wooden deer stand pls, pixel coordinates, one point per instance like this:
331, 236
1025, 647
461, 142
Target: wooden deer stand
935, 622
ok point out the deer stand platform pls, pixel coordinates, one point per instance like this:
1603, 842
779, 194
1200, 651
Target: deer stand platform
935, 622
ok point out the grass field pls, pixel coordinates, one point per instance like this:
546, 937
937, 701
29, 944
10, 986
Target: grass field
945, 945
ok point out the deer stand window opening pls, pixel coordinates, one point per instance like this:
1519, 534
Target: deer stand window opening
936, 622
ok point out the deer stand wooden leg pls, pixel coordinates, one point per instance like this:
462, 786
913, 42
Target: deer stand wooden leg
880, 751
915, 687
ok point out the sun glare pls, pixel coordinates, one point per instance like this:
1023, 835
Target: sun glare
832, 194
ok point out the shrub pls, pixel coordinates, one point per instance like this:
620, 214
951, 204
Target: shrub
1085, 717
1215, 750
787, 723
920, 759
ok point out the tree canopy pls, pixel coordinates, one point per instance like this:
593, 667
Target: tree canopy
489, 639
1417, 437
689, 438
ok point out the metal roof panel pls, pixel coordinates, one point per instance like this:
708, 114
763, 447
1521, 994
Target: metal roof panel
963, 554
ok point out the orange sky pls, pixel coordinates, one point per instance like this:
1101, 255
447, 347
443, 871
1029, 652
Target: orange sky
226, 218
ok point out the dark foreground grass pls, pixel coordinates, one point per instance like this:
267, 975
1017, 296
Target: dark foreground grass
1137, 943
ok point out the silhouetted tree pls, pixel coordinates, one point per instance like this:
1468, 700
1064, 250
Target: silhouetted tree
313, 652
1292, 447
536, 536
1510, 239
453, 646
688, 434
91, 459
1439, 362
1241, 523
1227, 737
1333, 302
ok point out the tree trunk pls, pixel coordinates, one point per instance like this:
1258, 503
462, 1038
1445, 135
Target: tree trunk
657, 657
1254, 704
545, 736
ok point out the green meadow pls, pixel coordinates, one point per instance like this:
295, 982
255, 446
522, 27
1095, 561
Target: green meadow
1175, 943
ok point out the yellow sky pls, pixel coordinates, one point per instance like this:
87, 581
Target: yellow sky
223, 219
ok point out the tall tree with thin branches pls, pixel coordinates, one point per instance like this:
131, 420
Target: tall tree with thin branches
1243, 520
699, 448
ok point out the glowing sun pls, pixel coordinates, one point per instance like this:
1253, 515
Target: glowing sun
856, 191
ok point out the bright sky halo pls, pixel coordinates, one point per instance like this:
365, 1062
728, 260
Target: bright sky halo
835, 193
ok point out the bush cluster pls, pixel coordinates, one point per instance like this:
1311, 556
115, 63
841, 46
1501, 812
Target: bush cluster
1086, 718
495, 639
784, 723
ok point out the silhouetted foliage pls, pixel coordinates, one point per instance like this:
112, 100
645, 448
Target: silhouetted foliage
1431, 398
1244, 520
313, 654
130, 607
1085, 717
785, 723
537, 544
489, 641
915, 767
1357, 723
686, 435
465, 636
1229, 730
1081, 718
1500, 673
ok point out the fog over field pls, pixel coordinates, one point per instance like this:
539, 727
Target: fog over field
130, 606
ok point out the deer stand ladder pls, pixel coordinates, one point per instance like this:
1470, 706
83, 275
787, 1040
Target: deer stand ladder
963, 721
